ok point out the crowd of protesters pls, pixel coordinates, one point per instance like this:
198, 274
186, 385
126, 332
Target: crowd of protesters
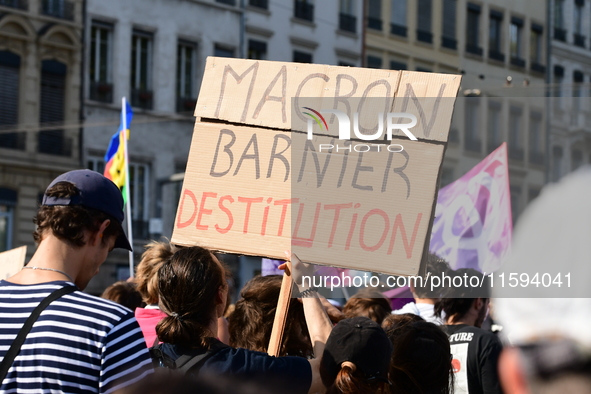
172, 330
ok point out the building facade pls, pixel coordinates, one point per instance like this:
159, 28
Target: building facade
152, 52
40, 80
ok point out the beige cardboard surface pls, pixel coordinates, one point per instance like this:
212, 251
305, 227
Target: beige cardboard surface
239, 196
12, 261
259, 93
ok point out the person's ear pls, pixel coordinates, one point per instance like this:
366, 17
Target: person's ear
101, 232
478, 302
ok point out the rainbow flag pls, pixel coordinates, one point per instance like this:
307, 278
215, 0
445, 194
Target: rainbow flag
115, 165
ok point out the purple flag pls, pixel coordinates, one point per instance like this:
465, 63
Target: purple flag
473, 226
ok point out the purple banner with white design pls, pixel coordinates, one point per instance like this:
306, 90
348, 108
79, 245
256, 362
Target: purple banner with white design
473, 226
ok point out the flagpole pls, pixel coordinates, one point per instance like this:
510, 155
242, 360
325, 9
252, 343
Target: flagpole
127, 185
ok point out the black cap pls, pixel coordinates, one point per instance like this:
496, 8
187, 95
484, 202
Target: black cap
361, 341
96, 192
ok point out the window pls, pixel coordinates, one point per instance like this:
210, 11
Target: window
63, 9
515, 135
374, 15
535, 49
223, 51
228, 2
559, 30
19, 4
302, 57
515, 46
579, 38
398, 18
141, 69
374, 62
9, 95
101, 44
448, 37
576, 159
495, 137
394, 65
424, 21
347, 19
556, 163
536, 142
577, 94
472, 138
185, 76
473, 30
495, 27
558, 79
264, 4
257, 50
304, 9
8, 200
139, 192
52, 110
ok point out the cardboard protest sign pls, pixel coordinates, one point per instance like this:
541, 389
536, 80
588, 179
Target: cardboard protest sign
263, 177
12, 261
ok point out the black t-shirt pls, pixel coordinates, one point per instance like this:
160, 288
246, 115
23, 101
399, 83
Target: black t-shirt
292, 374
475, 359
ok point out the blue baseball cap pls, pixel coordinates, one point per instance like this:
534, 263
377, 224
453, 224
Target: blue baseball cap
96, 192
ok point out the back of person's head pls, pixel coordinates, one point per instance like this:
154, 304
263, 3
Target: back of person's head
76, 204
146, 276
459, 299
393, 322
356, 357
124, 293
369, 303
191, 288
251, 323
435, 266
421, 361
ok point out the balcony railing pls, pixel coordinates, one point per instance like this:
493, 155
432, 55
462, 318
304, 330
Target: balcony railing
516, 153
259, 3
101, 91
374, 23
18, 4
424, 36
517, 62
449, 43
536, 157
579, 40
304, 10
142, 98
398, 30
496, 55
559, 34
63, 9
347, 23
474, 49
537, 67
186, 104
13, 140
53, 142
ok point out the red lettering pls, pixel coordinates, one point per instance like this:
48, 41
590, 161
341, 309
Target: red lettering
186, 193
384, 215
337, 212
227, 212
285, 203
408, 247
249, 202
305, 242
203, 211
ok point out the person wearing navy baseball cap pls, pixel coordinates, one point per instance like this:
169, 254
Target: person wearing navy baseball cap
70, 341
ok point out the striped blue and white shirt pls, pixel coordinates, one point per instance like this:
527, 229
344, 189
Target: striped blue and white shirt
79, 344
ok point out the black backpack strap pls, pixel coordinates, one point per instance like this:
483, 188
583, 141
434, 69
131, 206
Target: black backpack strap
187, 363
22, 335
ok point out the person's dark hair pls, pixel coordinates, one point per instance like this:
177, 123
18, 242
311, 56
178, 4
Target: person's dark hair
369, 303
393, 322
459, 299
124, 293
351, 381
251, 323
68, 223
146, 274
188, 285
435, 266
421, 361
